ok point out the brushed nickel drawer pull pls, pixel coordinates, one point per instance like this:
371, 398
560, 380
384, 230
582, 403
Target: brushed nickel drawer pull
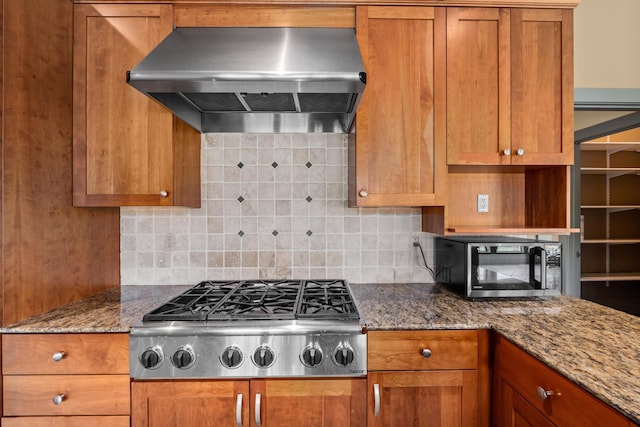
426, 353
58, 356
544, 394
57, 400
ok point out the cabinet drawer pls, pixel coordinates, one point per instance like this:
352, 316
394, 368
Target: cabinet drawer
83, 354
402, 350
65, 421
569, 405
83, 395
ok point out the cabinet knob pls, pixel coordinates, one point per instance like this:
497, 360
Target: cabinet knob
363, 193
57, 400
164, 193
520, 152
506, 152
426, 353
544, 394
58, 356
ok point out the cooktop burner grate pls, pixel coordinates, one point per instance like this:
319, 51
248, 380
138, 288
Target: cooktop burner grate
260, 300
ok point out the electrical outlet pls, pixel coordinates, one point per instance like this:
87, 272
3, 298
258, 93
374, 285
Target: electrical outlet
483, 203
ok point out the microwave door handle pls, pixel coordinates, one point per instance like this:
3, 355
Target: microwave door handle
543, 269
533, 252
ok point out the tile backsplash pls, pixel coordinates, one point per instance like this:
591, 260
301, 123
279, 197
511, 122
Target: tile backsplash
273, 206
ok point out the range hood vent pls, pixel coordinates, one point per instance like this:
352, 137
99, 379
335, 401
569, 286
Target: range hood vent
262, 80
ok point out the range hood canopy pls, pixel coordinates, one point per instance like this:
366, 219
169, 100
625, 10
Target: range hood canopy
265, 80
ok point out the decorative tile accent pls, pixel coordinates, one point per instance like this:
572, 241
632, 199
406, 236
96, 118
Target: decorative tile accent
257, 220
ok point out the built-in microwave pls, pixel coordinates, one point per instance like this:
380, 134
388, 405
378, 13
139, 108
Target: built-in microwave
490, 266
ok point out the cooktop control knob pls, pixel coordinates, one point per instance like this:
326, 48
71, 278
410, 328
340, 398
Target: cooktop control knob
343, 355
231, 357
312, 356
151, 358
184, 357
263, 357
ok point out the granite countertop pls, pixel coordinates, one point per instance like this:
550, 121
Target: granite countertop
594, 346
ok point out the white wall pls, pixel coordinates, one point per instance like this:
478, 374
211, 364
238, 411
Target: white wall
607, 44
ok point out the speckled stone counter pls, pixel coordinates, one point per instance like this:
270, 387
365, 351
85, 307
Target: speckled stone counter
596, 347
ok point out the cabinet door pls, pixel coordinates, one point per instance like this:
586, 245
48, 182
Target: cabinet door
398, 158
478, 86
124, 151
189, 403
309, 403
427, 398
542, 86
517, 412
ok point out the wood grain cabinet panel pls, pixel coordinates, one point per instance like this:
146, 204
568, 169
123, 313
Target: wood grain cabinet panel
517, 376
274, 402
402, 350
32, 395
128, 149
86, 421
509, 86
65, 380
310, 402
33, 354
397, 157
434, 378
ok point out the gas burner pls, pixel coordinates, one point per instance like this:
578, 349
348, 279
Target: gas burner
259, 300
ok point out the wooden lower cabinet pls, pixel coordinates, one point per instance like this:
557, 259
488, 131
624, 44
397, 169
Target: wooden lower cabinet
432, 398
516, 400
111, 421
428, 378
517, 412
297, 402
69, 380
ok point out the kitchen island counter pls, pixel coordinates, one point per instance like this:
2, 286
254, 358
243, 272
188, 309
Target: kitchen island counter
594, 346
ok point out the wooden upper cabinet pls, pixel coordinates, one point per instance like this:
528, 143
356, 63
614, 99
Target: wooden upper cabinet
478, 98
399, 157
128, 149
542, 86
509, 86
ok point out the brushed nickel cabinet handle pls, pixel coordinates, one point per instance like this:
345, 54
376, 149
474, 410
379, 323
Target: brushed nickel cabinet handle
520, 152
164, 193
544, 394
376, 400
506, 152
426, 353
239, 410
58, 356
258, 401
57, 400
363, 193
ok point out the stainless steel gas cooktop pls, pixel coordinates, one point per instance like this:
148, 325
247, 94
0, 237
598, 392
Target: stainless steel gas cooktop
252, 328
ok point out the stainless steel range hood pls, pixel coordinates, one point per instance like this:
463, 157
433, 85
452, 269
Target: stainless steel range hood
265, 80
